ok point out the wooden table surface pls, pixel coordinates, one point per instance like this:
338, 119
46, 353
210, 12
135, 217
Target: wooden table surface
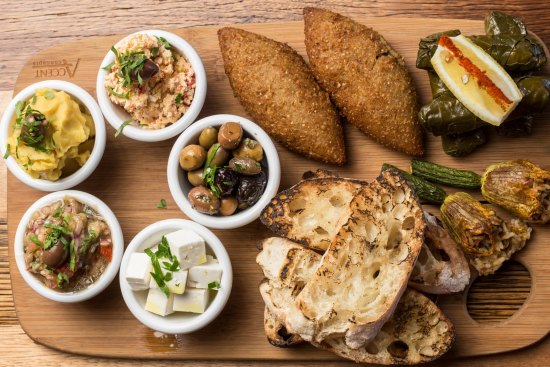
28, 25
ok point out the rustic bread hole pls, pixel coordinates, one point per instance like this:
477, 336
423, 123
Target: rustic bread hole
337, 201
408, 224
394, 237
442, 255
398, 196
372, 348
423, 256
398, 349
297, 205
508, 288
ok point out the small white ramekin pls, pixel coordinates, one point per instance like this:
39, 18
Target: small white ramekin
97, 152
178, 322
116, 115
179, 186
108, 275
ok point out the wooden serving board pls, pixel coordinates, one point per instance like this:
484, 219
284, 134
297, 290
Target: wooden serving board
131, 179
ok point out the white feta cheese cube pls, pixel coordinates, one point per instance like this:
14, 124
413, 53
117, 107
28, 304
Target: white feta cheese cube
192, 300
158, 303
202, 275
176, 284
188, 247
138, 271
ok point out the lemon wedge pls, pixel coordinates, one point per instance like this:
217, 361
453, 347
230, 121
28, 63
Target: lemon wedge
475, 79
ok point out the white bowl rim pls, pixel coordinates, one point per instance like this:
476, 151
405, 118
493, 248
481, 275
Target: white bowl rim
99, 145
246, 216
169, 325
108, 108
108, 275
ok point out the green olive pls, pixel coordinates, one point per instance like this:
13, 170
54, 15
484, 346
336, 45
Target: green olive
208, 137
245, 166
228, 206
220, 157
230, 135
192, 157
203, 200
195, 177
249, 148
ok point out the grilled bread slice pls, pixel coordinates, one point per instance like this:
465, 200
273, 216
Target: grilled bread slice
309, 212
417, 332
276, 332
366, 268
441, 267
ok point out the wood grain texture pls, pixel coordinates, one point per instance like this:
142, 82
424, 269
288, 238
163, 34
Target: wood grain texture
29, 25
133, 192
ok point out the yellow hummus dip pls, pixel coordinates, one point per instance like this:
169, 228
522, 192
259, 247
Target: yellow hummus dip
52, 135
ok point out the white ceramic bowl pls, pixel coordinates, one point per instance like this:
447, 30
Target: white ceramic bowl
178, 322
99, 146
108, 275
116, 115
179, 186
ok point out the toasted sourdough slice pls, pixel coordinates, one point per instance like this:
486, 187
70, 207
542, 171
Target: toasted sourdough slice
309, 212
365, 77
441, 267
278, 90
276, 332
365, 270
417, 332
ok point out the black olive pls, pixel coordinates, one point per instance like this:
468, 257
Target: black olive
250, 189
33, 129
226, 179
148, 70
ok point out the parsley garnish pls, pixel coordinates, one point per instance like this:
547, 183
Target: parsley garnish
7, 153
35, 240
55, 227
33, 99
157, 273
130, 65
162, 204
154, 51
164, 42
121, 127
119, 95
214, 285
209, 173
62, 278
57, 213
178, 98
89, 240
49, 94
163, 252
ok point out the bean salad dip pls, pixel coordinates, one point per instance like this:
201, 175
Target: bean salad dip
68, 245
150, 80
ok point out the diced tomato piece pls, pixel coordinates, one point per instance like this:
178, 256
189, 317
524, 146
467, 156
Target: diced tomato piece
106, 252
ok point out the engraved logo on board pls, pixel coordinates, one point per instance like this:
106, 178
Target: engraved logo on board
54, 68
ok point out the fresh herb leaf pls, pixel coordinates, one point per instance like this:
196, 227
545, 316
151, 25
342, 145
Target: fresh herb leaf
164, 42
33, 99
35, 240
19, 108
154, 51
55, 227
121, 127
88, 241
214, 285
162, 204
119, 95
72, 255
209, 175
64, 241
57, 213
7, 153
108, 67
61, 279
178, 98
49, 94
157, 273
168, 277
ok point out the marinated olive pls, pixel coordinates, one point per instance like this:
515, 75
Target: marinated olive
203, 200
195, 177
208, 137
230, 135
226, 179
147, 71
220, 155
250, 189
55, 255
228, 206
245, 166
192, 157
249, 148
